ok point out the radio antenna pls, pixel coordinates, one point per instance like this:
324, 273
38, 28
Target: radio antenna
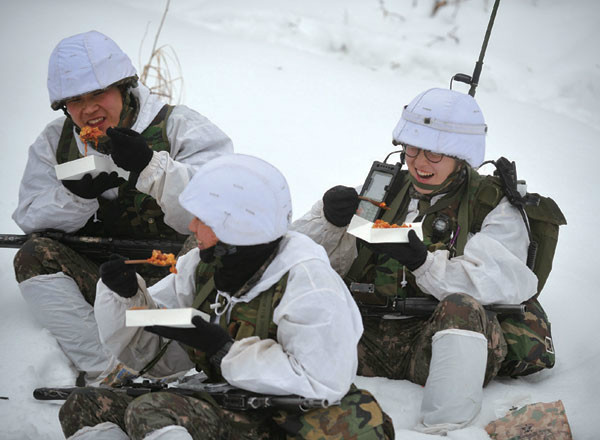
474, 79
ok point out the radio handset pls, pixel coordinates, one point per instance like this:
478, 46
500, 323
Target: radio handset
377, 185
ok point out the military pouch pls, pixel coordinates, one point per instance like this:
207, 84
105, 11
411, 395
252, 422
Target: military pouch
357, 416
544, 220
529, 341
534, 421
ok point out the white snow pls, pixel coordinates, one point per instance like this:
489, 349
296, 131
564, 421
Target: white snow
316, 88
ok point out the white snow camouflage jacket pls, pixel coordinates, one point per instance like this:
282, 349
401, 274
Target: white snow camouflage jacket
318, 326
492, 270
44, 203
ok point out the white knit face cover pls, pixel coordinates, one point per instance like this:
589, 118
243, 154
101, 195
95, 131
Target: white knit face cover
446, 122
245, 200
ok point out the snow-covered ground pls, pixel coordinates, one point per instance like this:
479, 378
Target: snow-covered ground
316, 88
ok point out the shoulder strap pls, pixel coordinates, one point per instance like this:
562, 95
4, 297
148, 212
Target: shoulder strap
264, 314
163, 114
208, 287
486, 197
156, 132
67, 146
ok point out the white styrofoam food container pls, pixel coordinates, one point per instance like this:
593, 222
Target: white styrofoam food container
169, 317
363, 229
92, 164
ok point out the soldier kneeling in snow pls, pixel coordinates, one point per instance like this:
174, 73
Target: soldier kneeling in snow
281, 322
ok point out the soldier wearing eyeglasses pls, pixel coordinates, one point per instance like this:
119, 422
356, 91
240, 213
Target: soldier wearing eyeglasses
473, 253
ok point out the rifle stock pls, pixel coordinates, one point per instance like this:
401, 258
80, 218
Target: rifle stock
97, 246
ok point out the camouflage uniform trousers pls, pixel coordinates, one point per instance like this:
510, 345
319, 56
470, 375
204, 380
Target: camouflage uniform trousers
401, 348
357, 417
44, 256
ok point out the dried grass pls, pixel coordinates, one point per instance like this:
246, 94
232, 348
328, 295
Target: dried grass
156, 74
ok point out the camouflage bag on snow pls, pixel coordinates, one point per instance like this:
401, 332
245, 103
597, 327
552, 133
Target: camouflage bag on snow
537, 421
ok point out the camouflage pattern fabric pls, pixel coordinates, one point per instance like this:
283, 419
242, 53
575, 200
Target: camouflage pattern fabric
358, 416
529, 338
537, 421
91, 406
401, 348
43, 256
149, 412
202, 419
530, 347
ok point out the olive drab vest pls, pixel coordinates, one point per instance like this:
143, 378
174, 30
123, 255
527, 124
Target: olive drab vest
463, 211
254, 318
132, 214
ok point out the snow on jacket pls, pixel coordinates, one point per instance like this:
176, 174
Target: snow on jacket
44, 203
318, 326
492, 269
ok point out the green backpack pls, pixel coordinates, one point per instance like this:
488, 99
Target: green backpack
528, 337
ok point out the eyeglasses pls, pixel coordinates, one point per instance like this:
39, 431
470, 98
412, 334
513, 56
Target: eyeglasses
413, 152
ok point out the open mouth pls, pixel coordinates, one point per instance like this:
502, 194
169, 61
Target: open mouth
423, 176
96, 121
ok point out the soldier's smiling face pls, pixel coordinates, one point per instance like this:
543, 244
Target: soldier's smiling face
430, 173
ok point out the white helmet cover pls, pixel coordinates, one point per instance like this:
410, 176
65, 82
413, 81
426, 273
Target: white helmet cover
244, 200
84, 63
444, 121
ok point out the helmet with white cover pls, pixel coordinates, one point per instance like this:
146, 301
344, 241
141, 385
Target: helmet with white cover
444, 121
84, 63
243, 199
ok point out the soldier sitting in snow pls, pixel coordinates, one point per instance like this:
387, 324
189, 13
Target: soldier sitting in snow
95, 84
281, 322
474, 253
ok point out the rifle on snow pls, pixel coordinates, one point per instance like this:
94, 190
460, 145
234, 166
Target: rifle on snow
97, 246
394, 307
227, 396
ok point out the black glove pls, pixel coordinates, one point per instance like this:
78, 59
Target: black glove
119, 277
412, 255
206, 337
130, 150
340, 204
90, 187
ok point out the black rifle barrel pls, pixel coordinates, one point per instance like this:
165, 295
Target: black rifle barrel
13, 240
426, 306
233, 399
96, 246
